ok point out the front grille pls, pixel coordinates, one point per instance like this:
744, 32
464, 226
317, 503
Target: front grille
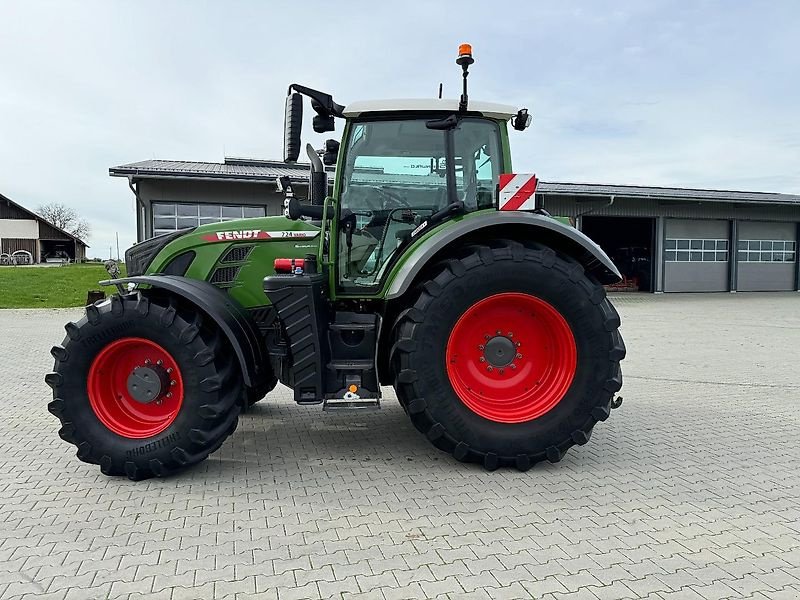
224, 275
237, 254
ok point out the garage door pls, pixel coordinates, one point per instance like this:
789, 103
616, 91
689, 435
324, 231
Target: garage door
767, 253
696, 255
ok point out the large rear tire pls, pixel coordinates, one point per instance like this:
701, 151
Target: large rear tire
509, 355
143, 387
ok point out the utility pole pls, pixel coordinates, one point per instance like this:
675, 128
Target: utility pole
117, 233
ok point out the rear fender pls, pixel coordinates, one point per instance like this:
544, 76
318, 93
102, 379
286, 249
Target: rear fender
515, 225
232, 320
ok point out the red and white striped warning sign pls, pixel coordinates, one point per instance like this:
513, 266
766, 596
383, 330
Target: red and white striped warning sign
517, 192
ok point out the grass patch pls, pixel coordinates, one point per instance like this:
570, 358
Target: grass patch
50, 287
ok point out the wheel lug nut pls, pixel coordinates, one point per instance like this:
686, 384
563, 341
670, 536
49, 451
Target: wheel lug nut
513, 366
482, 359
169, 394
498, 332
173, 382
519, 355
510, 334
490, 368
481, 346
169, 370
147, 361
486, 336
502, 371
159, 362
519, 344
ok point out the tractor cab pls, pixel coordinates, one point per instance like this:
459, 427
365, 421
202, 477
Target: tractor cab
403, 166
400, 168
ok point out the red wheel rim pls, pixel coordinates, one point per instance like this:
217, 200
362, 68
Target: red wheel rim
113, 402
511, 357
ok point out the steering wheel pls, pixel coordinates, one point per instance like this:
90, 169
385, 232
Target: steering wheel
390, 200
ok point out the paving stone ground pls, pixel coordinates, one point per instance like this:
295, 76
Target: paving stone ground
690, 490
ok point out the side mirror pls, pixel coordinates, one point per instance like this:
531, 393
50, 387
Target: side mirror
292, 127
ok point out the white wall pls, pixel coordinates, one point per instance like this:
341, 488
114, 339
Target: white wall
26, 229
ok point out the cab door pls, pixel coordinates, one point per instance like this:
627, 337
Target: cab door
399, 172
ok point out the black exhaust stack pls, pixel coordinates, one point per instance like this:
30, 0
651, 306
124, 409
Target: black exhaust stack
317, 179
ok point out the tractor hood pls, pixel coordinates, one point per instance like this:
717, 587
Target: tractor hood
233, 255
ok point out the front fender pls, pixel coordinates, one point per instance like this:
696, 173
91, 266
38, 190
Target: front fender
233, 321
514, 225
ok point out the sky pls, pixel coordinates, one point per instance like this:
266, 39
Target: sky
690, 94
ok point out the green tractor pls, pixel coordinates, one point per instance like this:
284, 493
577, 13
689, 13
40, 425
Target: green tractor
430, 267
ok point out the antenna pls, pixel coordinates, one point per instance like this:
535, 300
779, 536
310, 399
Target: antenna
440, 91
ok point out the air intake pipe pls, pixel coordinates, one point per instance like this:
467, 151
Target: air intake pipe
318, 178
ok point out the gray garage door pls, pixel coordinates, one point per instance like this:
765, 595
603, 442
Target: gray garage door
767, 253
696, 254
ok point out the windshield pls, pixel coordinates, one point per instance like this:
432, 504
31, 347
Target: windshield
407, 157
395, 177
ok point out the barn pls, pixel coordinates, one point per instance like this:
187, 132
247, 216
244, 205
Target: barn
25, 234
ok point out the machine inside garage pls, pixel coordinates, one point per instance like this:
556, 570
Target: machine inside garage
630, 243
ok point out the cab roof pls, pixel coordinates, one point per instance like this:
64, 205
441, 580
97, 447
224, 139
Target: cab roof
487, 109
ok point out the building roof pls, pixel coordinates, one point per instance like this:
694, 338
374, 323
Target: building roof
236, 169
487, 109
665, 193
267, 171
33, 215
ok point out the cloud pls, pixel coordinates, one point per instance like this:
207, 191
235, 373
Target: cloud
701, 94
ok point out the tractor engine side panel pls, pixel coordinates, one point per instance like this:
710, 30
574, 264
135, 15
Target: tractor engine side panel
235, 256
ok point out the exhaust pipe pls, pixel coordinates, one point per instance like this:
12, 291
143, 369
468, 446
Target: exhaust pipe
318, 178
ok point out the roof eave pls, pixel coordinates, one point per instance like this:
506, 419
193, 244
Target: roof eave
766, 202
135, 174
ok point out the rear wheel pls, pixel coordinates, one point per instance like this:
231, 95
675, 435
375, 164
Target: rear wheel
508, 356
144, 388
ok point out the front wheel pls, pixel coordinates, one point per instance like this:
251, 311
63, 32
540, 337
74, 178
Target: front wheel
143, 387
509, 355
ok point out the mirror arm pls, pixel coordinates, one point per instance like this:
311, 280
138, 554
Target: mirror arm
325, 106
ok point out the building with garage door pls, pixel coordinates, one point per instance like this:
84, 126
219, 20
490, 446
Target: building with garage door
662, 239
26, 237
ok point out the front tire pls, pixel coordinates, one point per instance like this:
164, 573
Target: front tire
143, 387
508, 356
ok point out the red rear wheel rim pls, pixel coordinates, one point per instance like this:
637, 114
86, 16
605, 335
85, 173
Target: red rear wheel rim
511, 357
113, 403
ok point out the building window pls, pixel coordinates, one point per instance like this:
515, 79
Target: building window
767, 251
696, 250
168, 217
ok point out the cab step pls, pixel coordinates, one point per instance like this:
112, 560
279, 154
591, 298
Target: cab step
334, 404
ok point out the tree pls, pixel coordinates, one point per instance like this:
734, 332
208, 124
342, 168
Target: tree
66, 218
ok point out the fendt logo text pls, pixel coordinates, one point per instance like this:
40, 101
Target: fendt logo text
256, 234
245, 234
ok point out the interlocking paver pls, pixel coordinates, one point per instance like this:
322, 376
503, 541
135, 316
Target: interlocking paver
689, 491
